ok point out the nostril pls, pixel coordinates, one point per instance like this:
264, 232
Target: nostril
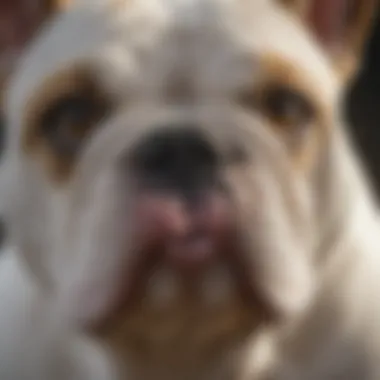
171, 154
154, 155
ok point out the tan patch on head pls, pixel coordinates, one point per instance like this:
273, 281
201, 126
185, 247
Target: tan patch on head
303, 140
77, 81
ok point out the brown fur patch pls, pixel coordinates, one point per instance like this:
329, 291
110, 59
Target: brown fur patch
185, 332
280, 72
70, 81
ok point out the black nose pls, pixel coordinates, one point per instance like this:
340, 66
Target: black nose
175, 158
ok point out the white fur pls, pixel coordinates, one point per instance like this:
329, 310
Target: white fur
314, 238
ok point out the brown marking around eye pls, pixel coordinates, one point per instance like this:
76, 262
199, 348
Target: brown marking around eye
277, 71
281, 71
76, 80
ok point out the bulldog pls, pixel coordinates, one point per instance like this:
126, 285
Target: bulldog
182, 198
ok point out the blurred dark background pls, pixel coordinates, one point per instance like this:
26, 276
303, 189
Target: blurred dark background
363, 107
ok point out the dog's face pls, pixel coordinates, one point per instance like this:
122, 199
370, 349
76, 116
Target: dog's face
163, 159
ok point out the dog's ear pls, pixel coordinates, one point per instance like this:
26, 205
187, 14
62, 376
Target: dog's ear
19, 21
341, 26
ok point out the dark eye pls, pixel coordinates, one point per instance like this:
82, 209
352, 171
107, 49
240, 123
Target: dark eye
286, 107
70, 120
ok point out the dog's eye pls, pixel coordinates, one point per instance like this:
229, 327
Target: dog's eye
70, 120
286, 107
281, 104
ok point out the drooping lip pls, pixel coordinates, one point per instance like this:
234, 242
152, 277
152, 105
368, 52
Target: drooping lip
189, 250
131, 292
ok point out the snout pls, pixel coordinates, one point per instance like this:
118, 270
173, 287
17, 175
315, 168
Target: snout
166, 237
182, 213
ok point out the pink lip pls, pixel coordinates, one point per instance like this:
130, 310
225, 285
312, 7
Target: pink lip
189, 237
191, 252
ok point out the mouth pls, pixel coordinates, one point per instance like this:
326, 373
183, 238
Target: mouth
188, 265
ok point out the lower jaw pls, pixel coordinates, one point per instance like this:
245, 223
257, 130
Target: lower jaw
181, 344
184, 330
190, 317
222, 359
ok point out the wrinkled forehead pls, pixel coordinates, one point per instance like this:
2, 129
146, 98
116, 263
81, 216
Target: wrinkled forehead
214, 46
